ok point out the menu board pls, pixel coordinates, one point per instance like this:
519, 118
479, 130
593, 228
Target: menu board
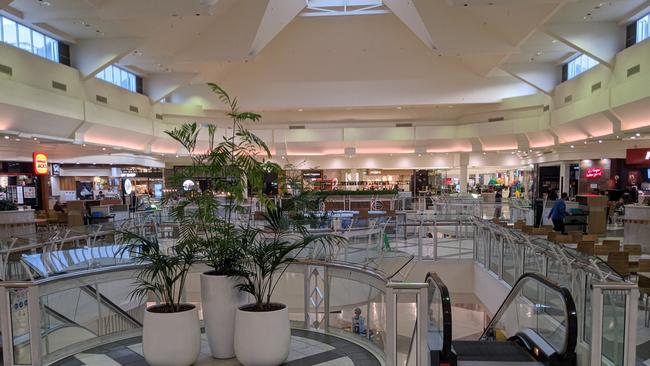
19, 195
29, 192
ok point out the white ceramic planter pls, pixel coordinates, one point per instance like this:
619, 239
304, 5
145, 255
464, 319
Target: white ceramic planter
220, 301
262, 338
171, 339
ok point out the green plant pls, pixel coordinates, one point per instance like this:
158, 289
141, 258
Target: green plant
164, 273
272, 248
227, 168
6, 205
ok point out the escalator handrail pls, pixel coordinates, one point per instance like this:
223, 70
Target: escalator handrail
433, 277
108, 302
565, 294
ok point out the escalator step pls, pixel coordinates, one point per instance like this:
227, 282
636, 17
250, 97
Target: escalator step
491, 351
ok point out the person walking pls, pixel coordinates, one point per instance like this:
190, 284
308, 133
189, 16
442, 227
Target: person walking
558, 213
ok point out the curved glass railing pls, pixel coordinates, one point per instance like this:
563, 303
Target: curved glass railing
439, 328
540, 316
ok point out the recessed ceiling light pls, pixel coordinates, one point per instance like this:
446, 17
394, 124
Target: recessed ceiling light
6, 137
94, 163
103, 149
554, 41
137, 53
618, 137
419, 155
600, 141
539, 53
638, 134
585, 142
83, 145
633, 137
35, 138
44, 3
399, 107
573, 147
77, 163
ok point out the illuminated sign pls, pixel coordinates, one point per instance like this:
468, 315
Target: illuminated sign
128, 186
40, 163
593, 173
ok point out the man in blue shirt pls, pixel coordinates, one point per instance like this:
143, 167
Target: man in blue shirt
558, 213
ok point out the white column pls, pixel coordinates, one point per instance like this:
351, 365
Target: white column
464, 162
564, 177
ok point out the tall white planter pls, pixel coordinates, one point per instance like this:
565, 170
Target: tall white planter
171, 339
262, 338
220, 301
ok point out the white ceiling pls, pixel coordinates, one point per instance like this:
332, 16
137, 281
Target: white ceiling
334, 63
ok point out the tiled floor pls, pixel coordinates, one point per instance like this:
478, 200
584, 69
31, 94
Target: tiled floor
307, 348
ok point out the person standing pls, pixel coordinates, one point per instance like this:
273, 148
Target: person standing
558, 213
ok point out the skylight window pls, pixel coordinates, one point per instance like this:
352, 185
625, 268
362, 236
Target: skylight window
120, 77
32, 41
643, 28
344, 7
579, 65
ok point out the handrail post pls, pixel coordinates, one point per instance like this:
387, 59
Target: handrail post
391, 327
596, 326
5, 327
422, 325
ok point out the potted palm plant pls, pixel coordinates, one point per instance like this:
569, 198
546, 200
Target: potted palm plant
171, 333
262, 333
211, 216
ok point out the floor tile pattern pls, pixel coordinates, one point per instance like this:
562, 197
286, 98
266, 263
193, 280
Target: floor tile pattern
307, 348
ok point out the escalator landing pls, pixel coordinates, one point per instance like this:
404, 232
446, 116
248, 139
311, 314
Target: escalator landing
497, 352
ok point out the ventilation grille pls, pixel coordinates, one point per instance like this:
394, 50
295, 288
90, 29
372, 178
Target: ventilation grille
301, 127
133, 109
546, 108
496, 119
403, 125
6, 70
568, 98
101, 99
159, 116
596, 86
633, 70
59, 86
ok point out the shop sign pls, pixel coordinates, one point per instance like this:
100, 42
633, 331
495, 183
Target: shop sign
637, 157
56, 169
593, 173
40, 163
128, 187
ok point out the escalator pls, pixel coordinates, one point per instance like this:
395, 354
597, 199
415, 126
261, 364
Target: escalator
535, 325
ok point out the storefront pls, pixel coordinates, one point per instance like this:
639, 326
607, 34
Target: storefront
20, 185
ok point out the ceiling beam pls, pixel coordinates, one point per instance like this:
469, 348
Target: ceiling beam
278, 14
541, 76
477, 145
406, 11
523, 143
159, 86
600, 41
93, 55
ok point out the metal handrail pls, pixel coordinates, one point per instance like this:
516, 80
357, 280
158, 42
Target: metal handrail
570, 308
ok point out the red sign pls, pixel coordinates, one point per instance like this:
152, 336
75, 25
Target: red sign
637, 157
40, 163
593, 173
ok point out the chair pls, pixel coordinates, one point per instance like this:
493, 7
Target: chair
576, 236
615, 245
620, 262
633, 249
601, 250
586, 247
644, 265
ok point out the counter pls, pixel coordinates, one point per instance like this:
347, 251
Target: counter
17, 222
637, 226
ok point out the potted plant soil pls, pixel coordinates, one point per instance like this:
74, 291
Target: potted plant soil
262, 332
171, 333
208, 215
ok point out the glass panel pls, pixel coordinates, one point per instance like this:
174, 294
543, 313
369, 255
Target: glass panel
495, 255
9, 32
536, 308
643, 28
508, 264
132, 82
52, 49
613, 342
291, 291
24, 38
38, 42
579, 65
108, 74
586, 334
20, 326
